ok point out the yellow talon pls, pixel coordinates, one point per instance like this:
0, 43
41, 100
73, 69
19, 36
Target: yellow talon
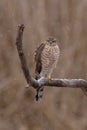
48, 78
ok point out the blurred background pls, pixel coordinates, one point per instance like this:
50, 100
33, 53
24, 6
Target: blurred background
60, 108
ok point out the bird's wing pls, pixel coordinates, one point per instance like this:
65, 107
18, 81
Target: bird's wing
38, 53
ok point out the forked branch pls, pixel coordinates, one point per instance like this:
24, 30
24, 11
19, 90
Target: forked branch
74, 83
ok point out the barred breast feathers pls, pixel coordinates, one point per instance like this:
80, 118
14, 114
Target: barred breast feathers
49, 59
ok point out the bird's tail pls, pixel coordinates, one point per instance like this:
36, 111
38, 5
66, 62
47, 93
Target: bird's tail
39, 91
39, 94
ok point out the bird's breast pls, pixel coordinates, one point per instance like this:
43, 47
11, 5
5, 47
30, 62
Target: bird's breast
50, 54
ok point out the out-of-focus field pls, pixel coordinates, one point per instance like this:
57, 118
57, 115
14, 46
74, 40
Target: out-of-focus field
60, 108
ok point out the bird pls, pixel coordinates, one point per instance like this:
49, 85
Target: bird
46, 58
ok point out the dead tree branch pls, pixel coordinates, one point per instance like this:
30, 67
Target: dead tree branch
74, 83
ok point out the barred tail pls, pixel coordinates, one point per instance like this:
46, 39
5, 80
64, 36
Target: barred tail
39, 93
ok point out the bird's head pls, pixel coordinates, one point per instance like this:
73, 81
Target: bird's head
51, 41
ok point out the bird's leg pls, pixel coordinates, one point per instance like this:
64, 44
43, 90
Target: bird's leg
48, 77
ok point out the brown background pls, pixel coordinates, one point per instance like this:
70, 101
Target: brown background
60, 108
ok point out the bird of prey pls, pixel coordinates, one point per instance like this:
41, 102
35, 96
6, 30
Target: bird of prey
46, 58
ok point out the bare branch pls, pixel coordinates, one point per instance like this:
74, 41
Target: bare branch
74, 83
21, 54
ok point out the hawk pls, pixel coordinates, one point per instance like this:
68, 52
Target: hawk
46, 58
